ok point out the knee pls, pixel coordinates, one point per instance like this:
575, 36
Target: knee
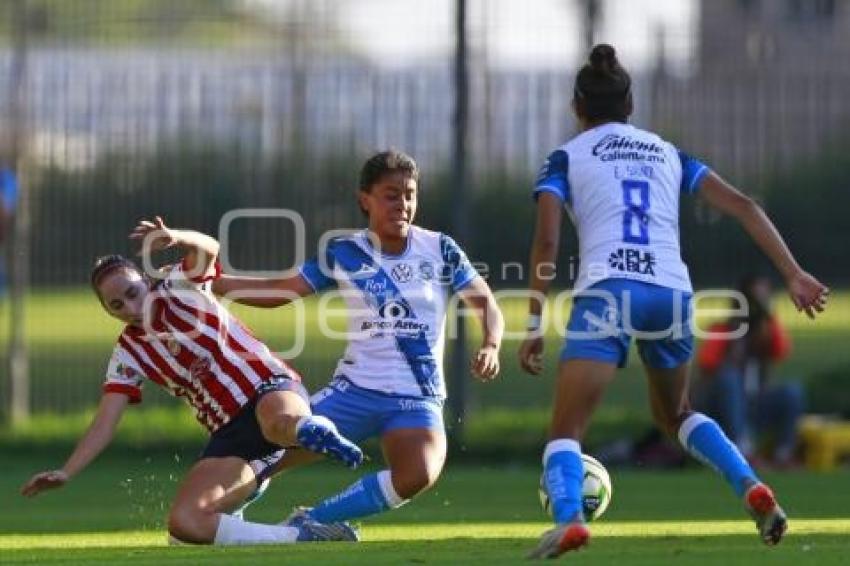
280, 428
273, 426
194, 524
410, 483
278, 413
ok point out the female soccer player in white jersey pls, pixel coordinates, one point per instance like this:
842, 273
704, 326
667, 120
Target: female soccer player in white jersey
253, 404
396, 279
621, 186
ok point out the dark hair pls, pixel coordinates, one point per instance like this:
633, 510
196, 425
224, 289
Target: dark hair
383, 163
602, 89
105, 265
389, 161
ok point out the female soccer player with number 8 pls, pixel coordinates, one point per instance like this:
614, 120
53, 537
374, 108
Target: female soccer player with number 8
622, 186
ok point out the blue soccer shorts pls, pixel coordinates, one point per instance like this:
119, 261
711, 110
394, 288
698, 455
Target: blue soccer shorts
606, 316
362, 413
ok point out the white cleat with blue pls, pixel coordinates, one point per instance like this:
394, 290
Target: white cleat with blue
319, 434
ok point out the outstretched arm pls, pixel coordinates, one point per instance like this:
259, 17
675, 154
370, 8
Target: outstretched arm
541, 266
201, 250
478, 297
807, 293
261, 292
96, 438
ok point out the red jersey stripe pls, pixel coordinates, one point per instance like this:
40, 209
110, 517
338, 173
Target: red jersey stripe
263, 366
204, 409
213, 347
187, 359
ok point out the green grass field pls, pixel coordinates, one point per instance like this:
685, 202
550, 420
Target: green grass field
113, 514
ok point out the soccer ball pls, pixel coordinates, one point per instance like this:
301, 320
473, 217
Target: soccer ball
596, 490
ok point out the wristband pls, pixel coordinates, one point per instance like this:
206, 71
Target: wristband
533, 323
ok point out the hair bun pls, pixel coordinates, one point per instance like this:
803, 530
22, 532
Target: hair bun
603, 58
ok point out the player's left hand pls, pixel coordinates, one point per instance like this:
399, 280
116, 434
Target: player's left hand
807, 293
531, 353
154, 236
485, 362
44, 481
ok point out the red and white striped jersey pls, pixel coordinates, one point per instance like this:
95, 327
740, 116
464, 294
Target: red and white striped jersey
195, 349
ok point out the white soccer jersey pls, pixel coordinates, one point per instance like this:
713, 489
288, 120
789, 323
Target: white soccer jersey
396, 308
194, 349
621, 187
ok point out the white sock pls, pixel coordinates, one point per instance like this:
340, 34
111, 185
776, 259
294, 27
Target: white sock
385, 482
233, 531
560, 445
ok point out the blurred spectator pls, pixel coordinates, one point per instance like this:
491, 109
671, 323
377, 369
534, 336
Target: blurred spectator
736, 385
8, 204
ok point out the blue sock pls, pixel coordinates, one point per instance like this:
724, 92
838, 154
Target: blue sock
704, 439
369, 495
563, 472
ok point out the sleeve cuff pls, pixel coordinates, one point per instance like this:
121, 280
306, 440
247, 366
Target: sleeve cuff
307, 279
132, 392
465, 283
547, 189
700, 175
202, 278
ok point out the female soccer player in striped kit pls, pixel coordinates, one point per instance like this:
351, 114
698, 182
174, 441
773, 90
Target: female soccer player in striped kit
253, 404
622, 186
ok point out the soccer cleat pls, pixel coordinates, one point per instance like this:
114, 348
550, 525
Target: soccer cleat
298, 516
313, 531
768, 515
318, 434
561, 539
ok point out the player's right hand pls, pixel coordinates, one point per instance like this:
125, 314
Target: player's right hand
154, 236
807, 293
44, 481
531, 354
485, 362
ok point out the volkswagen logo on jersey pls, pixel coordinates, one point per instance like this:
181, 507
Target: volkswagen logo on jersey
394, 309
402, 272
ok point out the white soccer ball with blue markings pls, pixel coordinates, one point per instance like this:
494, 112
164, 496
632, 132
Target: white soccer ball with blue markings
596, 490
